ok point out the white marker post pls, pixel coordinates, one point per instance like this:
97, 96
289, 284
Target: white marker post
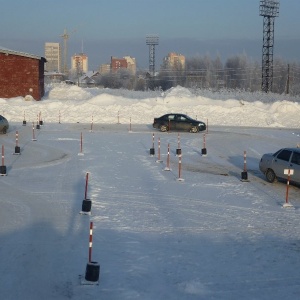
288, 172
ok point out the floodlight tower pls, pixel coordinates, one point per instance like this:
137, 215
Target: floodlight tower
152, 41
269, 9
65, 37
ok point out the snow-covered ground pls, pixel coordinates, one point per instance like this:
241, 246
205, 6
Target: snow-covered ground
210, 236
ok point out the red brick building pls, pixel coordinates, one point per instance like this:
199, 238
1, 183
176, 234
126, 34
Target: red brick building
118, 63
21, 74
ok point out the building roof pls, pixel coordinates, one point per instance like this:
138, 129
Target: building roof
8, 51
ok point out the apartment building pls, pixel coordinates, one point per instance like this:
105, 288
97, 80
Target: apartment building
53, 57
79, 62
127, 62
174, 61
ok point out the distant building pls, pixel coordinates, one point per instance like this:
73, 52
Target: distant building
104, 69
116, 64
89, 79
53, 57
174, 61
21, 74
131, 64
127, 62
79, 62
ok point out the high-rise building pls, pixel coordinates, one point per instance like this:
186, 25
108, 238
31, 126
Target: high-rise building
174, 61
104, 68
79, 62
53, 57
127, 62
131, 64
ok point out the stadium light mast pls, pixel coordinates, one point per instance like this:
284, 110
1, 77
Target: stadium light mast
152, 41
269, 9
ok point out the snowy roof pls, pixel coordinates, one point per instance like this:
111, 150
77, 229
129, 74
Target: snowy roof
89, 76
8, 51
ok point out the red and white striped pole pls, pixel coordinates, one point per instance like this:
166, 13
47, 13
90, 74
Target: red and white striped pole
40, 118
91, 242
289, 173
86, 203
178, 150
92, 124
33, 133
244, 174
158, 152
2, 155
206, 125
24, 120
17, 148
17, 138
287, 187
3, 167
167, 168
179, 169
86, 185
152, 150
204, 150
81, 145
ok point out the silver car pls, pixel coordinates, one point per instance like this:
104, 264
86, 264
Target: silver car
3, 124
274, 165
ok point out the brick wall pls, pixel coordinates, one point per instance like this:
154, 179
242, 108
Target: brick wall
21, 76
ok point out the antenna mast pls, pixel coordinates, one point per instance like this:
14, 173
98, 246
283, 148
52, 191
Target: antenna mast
152, 41
269, 9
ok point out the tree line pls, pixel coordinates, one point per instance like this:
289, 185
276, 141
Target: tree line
202, 72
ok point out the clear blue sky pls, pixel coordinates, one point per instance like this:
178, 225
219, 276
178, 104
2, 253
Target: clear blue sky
119, 27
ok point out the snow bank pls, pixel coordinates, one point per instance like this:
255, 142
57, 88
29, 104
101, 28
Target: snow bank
76, 104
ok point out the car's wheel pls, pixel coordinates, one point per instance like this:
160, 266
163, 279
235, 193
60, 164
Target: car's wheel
163, 128
271, 176
4, 130
194, 129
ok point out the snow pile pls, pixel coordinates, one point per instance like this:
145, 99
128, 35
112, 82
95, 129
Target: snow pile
74, 104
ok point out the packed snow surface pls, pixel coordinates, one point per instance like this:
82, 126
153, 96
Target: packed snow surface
206, 236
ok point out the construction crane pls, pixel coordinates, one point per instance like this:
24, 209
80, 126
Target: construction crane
65, 37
